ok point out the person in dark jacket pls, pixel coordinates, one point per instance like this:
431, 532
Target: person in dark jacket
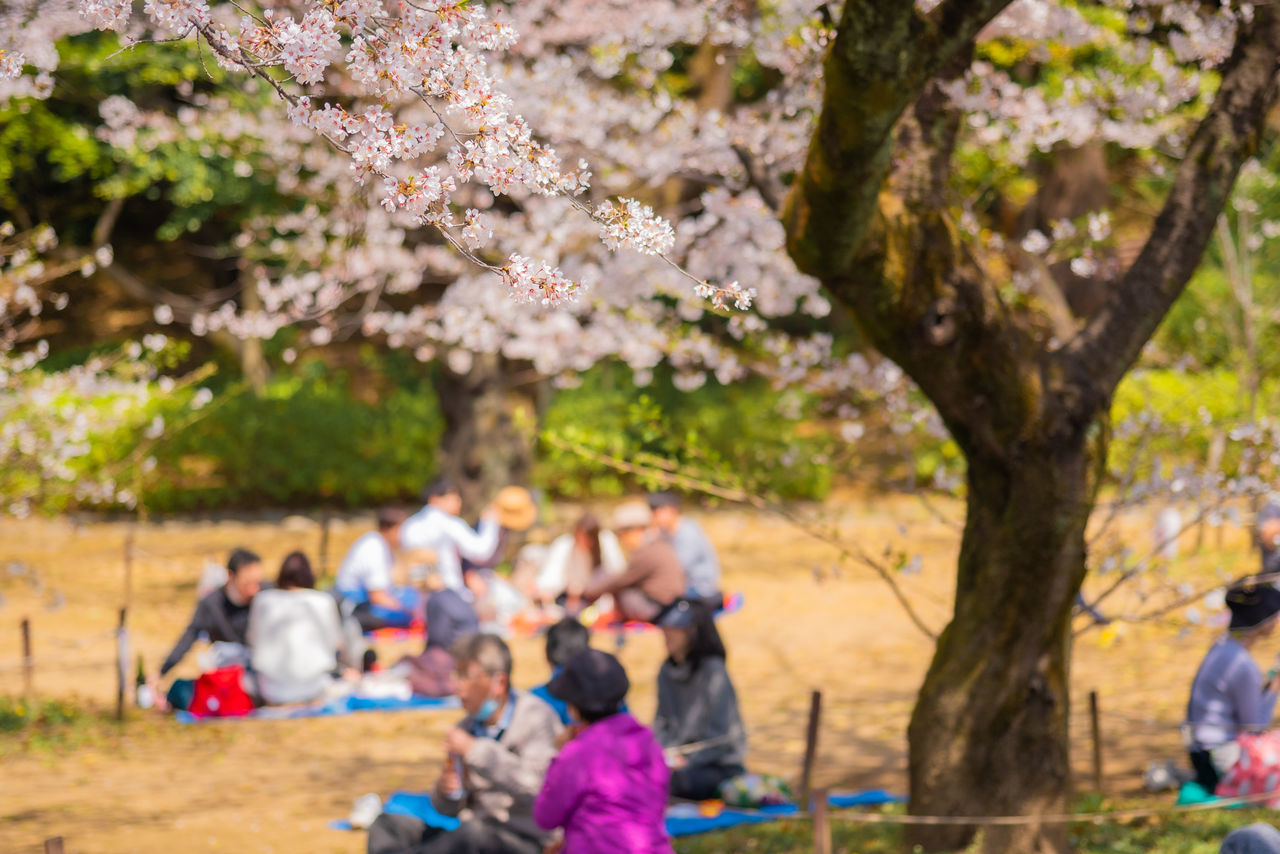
449, 619
223, 615
698, 722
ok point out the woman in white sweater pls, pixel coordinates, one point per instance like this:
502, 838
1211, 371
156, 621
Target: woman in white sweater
295, 636
575, 559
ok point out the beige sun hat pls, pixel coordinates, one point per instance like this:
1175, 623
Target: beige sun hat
631, 514
515, 508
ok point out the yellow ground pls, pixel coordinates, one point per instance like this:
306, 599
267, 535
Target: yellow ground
155, 786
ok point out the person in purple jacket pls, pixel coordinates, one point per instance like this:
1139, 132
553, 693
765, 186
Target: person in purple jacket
608, 786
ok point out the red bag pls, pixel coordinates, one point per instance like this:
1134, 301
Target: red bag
220, 694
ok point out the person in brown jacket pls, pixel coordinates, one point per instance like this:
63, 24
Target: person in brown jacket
495, 762
653, 578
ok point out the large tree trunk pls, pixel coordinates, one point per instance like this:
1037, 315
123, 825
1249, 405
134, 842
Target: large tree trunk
485, 444
989, 730
1024, 391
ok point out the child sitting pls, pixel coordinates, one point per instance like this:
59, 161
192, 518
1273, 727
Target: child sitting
564, 640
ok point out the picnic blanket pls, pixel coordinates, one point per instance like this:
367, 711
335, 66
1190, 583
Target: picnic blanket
336, 706
523, 626
683, 819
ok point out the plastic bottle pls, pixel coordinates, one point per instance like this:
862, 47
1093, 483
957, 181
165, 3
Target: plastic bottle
142, 691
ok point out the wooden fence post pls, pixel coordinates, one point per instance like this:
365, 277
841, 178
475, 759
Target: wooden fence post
324, 542
1096, 730
122, 663
28, 663
128, 568
821, 823
810, 747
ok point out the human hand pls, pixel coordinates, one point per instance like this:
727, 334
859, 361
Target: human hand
450, 779
458, 741
675, 761
555, 846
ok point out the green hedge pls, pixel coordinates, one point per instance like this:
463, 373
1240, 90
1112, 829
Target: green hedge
307, 440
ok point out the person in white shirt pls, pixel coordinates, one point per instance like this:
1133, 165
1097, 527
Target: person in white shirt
574, 560
364, 577
295, 636
438, 527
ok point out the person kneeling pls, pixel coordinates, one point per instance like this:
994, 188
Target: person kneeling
495, 762
608, 786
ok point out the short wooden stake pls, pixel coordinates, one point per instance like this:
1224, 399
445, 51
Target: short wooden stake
324, 543
128, 568
122, 663
54, 846
821, 823
810, 747
1097, 741
28, 663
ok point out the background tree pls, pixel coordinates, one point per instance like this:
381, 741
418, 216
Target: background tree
1028, 404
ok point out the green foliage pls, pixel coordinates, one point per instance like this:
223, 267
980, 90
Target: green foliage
17, 714
58, 165
307, 440
1177, 413
744, 436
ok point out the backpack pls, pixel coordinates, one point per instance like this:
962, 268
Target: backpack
220, 694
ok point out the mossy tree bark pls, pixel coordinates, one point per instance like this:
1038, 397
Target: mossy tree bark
485, 445
1024, 390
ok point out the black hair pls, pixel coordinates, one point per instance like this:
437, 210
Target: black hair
295, 572
590, 716
440, 487
706, 642
663, 499
241, 558
566, 639
391, 517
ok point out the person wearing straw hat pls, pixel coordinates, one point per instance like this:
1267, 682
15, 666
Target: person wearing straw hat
608, 786
1230, 698
497, 600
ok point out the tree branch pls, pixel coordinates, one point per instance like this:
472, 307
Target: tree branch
883, 57
1227, 136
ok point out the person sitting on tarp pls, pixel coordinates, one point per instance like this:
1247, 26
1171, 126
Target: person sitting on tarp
495, 762
574, 560
698, 722
439, 528
295, 637
565, 639
223, 615
364, 577
1229, 695
449, 619
608, 786
692, 545
653, 578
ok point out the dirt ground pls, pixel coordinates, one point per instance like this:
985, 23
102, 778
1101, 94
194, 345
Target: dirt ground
155, 786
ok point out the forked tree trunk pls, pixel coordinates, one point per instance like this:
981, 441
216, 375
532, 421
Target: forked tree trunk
989, 731
485, 446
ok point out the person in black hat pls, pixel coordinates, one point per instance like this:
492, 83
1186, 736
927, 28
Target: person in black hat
1229, 695
698, 722
608, 786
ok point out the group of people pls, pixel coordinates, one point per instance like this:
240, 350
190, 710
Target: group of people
296, 642
568, 756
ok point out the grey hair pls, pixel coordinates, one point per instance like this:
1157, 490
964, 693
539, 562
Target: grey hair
488, 651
